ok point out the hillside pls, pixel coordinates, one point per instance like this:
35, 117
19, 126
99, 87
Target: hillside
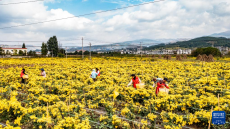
195, 43
120, 45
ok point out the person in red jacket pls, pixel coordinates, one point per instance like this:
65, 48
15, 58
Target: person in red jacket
22, 74
98, 72
161, 84
135, 80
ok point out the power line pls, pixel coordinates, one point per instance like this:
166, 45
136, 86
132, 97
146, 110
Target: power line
22, 2
40, 41
95, 41
91, 46
116, 43
81, 15
21, 41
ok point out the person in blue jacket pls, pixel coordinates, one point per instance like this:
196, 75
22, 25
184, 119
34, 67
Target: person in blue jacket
93, 75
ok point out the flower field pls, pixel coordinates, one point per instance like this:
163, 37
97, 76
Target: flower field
68, 98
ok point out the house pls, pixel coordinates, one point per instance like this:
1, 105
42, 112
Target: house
223, 50
126, 51
186, 51
100, 52
38, 53
11, 51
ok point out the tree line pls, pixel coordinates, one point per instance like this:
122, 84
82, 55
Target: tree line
194, 43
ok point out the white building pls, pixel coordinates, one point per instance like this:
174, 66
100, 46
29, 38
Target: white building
186, 51
162, 52
100, 52
223, 50
158, 52
12, 51
38, 53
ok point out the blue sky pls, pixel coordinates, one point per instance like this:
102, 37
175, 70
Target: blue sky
78, 7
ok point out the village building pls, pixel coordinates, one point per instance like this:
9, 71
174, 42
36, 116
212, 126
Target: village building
158, 52
223, 50
12, 51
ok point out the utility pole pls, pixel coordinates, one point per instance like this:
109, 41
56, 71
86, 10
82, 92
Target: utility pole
141, 49
66, 52
111, 48
59, 46
82, 49
90, 51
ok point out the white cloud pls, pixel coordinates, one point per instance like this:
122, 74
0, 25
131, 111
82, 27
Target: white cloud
168, 19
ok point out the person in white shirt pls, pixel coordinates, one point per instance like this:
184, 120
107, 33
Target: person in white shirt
43, 73
155, 80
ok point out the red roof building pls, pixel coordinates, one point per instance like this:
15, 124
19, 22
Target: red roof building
12, 51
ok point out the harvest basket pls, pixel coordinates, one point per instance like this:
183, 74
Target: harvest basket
25, 77
140, 85
164, 90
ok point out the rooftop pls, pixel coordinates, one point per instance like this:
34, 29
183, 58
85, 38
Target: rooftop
14, 48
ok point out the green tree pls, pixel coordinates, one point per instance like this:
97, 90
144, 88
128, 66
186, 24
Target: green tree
21, 52
76, 52
61, 55
53, 45
44, 49
93, 52
86, 53
207, 51
23, 45
32, 53
7, 52
15, 51
80, 53
62, 51
1, 51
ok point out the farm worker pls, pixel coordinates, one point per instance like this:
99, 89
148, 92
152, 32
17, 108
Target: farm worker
43, 73
93, 75
155, 80
161, 84
98, 72
22, 74
135, 80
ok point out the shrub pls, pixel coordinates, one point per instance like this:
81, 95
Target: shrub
207, 51
61, 55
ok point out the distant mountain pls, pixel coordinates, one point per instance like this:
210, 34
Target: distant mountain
223, 34
119, 45
29, 47
195, 43
114, 46
171, 40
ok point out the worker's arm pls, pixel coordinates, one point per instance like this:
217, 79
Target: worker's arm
160, 85
130, 82
166, 86
154, 84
